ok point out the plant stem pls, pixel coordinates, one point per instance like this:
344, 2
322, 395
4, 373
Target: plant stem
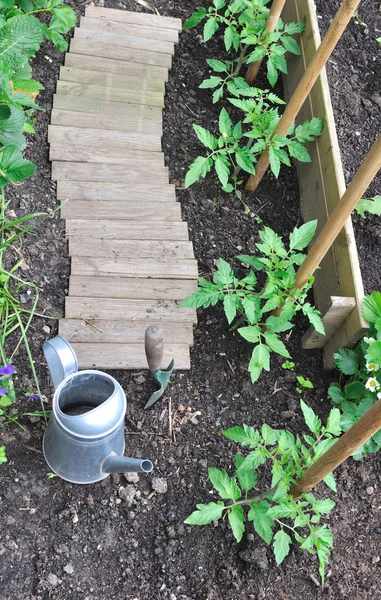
249, 501
241, 59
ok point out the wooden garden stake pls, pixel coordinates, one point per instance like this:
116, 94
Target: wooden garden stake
311, 74
352, 439
359, 184
272, 20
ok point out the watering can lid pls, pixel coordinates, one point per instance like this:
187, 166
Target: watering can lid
61, 359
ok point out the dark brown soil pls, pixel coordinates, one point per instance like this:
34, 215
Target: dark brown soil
61, 541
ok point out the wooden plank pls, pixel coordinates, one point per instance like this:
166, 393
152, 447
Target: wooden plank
322, 181
132, 230
130, 248
93, 190
112, 80
110, 65
128, 309
128, 111
71, 88
123, 287
134, 267
347, 336
134, 211
121, 332
128, 29
114, 173
124, 41
89, 120
127, 356
110, 50
98, 145
133, 18
332, 320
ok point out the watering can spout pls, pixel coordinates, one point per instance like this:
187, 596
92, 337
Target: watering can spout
125, 464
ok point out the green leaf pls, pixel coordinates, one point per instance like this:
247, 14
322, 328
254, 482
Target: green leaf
374, 353
298, 151
293, 28
10, 129
258, 54
277, 473
370, 205
354, 390
330, 481
229, 37
254, 459
230, 307
237, 522
205, 137
224, 275
195, 18
253, 261
13, 167
309, 130
225, 123
210, 28
335, 393
63, 19
217, 94
346, 360
222, 169
276, 345
277, 324
5, 112
246, 436
251, 305
301, 236
247, 478
278, 59
226, 487
311, 419
290, 44
371, 307
210, 83
262, 522
281, 546
269, 435
205, 513
306, 383
204, 297
333, 423
261, 357
323, 507
217, 65
314, 317
274, 161
199, 168
59, 41
272, 73
245, 159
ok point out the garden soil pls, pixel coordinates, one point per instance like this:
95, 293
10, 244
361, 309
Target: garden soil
124, 538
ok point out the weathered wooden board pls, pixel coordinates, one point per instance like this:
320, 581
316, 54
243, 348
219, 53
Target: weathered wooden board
128, 111
112, 80
127, 230
341, 308
128, 309
139, 96
127, 356
128, 29
101, 190
136, 211
122, 332
130, 248
133, 18
98, 145
124, 41
322, 181
134, 267
111, 172
89, 120
122, 287
110, 50
111, 65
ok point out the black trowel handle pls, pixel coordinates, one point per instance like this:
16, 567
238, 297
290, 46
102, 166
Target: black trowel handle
154, 346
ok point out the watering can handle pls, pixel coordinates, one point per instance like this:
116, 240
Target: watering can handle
154, 347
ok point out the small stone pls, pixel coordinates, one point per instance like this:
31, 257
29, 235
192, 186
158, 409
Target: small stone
132, 477
287, 414
24, 298
375, 560
46, 329
69, 569
159, 484
53, 580
370, 490
140, 379
127, 494
171, 533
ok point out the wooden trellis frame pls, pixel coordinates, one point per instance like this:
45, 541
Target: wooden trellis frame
338, 285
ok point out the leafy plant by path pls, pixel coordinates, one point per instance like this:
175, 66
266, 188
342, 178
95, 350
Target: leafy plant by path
253, 304
275, 515
370, 205
362, 366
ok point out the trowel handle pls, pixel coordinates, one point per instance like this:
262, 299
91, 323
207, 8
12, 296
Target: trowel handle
154, 346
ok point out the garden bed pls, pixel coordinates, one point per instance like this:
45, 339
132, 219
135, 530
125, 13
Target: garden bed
63, 541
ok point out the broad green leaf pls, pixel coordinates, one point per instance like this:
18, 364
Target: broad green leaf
269, 435
261, 356
210, 28
226, 486
230, 307
278, 59
245, 159
237, 522
253, 261
335, 393
354, 390
281, 546
199, 168
306, 383
309, 130
370, 205
311, 419
300, 237
258, 54
262, 522
224, 275
246, 436
254, 459
216, 65
290, 44
210, 83
276, 345
251, 333
229, 37
314, 317
247, 478
204, 297
292, 28
13, 167
272, 73
277, 473
205, 513
195, 18
330, 481
277, 324
251, 305
274, 161
371, 307
225, 123
333, 423
323, 506
222, 169
346, 360
217, 94
63, 19
205, 137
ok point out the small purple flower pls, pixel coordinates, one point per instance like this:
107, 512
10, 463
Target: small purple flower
3, 391
34, 396
6, 372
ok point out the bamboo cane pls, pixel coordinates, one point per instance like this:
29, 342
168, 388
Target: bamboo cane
272, 20
311, 74
355, 437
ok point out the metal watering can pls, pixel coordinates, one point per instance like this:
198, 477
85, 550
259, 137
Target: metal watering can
84, 440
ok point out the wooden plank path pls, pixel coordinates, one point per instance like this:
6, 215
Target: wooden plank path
131, 258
